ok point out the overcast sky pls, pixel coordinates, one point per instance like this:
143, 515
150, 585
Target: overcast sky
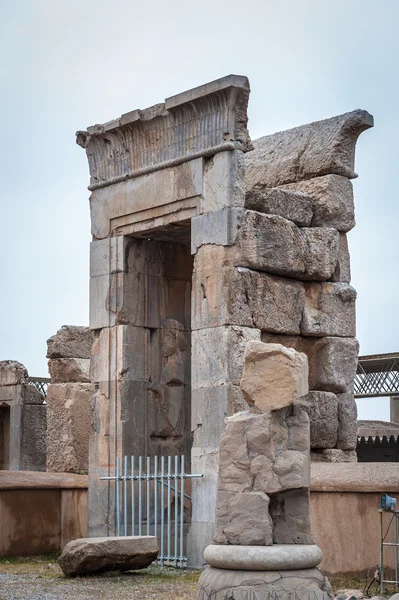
65, 65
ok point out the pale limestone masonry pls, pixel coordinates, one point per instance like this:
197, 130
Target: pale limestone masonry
68, 400
263, 500
199, 246
22, 420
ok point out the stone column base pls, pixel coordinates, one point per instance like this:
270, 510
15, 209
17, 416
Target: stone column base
302, 584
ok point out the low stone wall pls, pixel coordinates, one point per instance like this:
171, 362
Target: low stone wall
345, 499
41, 512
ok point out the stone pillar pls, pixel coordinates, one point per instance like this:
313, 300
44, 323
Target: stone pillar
22, 420
394, 409
68, 400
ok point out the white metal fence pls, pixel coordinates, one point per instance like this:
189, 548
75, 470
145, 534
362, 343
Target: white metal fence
150, 500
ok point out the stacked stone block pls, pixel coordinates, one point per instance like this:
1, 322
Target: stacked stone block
22, 420
68, 400
263, 546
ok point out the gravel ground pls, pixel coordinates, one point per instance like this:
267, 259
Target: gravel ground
42, 579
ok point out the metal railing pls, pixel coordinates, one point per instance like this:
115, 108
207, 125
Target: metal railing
150, 500
40, 383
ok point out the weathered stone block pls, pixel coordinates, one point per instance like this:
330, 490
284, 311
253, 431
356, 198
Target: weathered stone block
94, 555
329, 310
332, 360
68, 427
290, 512
240, 296
274, 376
33, 438
320, 148
273, 244
347, 422
218, 354
31, 395
299, 584
342, 271
292, 205
219, 227
333, 204
69, 370
243, 519
70, 342
223, 182
12, 372
322, 408
333, 455
107, 256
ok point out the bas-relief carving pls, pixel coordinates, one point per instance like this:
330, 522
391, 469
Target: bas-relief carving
169, 394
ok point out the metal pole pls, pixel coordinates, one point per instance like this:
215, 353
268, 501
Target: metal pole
169, 511
162, 509
133, 498
140, 493
125, 475
381, 552
176, 492
118, 498
181, 510
155, 496
148, 493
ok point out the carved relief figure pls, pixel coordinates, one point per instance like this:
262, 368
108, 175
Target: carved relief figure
169, 392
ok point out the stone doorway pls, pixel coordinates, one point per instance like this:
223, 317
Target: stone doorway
4, 438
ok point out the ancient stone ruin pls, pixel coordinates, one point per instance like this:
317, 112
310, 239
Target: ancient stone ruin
22, 420
68, 400
263, 546
202, 242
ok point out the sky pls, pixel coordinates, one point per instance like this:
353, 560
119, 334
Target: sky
65, 65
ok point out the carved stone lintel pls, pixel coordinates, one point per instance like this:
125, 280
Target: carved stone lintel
199, 122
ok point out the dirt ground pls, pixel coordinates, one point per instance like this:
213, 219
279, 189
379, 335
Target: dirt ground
40, 578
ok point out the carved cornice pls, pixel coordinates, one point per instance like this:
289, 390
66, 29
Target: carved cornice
199, 122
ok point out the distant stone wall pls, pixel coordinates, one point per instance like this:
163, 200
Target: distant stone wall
68, 400
22, 420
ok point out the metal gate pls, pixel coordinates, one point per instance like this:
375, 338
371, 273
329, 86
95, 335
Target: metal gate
150, 500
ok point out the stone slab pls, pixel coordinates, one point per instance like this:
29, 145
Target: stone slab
319, 148
301, 584
107, 256
342, 271
347, 421
223, 182
219, 227
95, 555
322, 408
278, 557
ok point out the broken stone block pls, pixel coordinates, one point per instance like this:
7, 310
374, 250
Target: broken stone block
291, 517
333, 204
347, 422
70, 342
12, 372
219, 227
292, 205
218, 354
277, 584
95, 555
68, 427
240, 296
322, 408
247, 521
329, 310
332, 360
274, 376
333, 455
69, 370
319, 148
342, 271
31, 395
